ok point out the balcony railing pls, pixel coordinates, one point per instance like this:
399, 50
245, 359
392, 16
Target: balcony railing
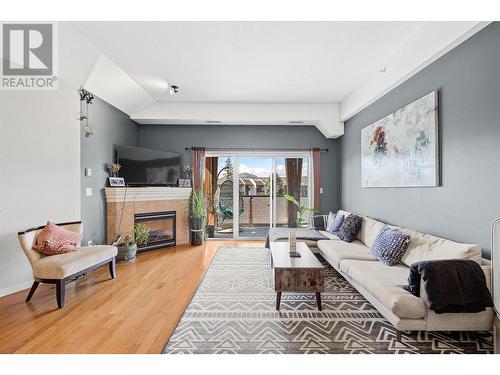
257, 208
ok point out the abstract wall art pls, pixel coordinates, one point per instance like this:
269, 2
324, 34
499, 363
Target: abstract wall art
401, 150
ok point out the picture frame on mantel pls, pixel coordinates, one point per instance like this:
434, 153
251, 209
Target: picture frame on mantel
116, 181
184, 182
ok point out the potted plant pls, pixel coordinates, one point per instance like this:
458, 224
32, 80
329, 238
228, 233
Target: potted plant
113, 169
301, 209
141, 234
197, 217
127, 251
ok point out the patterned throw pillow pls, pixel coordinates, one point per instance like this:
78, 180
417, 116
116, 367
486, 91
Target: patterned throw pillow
318, 222
335, 225
350, 227
54, 240
390, 246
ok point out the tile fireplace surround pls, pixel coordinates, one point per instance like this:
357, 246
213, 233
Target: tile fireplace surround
139, 200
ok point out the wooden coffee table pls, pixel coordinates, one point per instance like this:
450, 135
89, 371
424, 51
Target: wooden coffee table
305, 274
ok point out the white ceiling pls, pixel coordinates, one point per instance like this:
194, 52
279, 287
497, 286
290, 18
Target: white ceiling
273, 62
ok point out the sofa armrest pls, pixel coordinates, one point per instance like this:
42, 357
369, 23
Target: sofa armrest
487, 274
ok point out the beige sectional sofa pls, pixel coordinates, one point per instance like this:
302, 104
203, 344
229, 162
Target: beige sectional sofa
382, 285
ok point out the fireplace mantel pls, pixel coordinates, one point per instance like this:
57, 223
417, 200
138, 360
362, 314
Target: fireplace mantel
122, 204
142, 194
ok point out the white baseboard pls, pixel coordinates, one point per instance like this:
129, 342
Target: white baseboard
16, 288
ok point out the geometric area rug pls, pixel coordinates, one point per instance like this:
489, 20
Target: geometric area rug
233, 311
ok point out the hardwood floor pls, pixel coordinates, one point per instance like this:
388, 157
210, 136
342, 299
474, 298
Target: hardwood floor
134, 313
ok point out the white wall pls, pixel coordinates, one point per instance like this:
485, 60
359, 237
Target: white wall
431, 41
322, 115
40, 156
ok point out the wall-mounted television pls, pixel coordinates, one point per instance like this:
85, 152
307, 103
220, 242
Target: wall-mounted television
146, 167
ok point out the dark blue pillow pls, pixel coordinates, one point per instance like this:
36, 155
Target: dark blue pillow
335, 224
350, 227
390, 246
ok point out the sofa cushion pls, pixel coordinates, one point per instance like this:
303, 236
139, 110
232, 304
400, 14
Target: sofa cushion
334, 251
329, 235
386, 285
390, 246
428, 247
63, 265
370, 228
331, 216
336, 223
342, 212
350, 227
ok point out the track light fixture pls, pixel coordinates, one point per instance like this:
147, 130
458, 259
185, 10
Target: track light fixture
173, 89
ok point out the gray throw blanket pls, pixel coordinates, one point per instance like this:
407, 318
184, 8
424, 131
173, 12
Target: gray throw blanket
307, 234
452, 286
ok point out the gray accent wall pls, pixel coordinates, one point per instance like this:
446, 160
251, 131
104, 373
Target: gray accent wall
468, 200
111, 127
177, 137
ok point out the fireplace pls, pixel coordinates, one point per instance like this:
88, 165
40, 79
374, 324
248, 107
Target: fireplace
161, 227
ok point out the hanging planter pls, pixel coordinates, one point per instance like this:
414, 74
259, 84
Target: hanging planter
87, 98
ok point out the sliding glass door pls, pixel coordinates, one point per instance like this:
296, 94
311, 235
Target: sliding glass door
255, 192
248, 194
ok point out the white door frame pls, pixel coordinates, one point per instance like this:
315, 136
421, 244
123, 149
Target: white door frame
273, 155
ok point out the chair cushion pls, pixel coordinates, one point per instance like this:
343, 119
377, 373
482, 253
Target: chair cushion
63, 265
350, 227
54, 240
386, 285
390, 246
334, 251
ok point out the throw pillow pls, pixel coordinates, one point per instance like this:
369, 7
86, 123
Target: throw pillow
54, 240
318, 222
335, 225
331, 216
350, 227
390, 246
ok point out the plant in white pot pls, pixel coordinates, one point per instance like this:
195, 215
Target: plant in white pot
198, 213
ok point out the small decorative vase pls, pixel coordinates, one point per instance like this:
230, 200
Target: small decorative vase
292, 240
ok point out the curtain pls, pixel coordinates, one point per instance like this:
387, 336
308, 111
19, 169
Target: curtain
198, 163
210, 186
316, 177
293, 169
